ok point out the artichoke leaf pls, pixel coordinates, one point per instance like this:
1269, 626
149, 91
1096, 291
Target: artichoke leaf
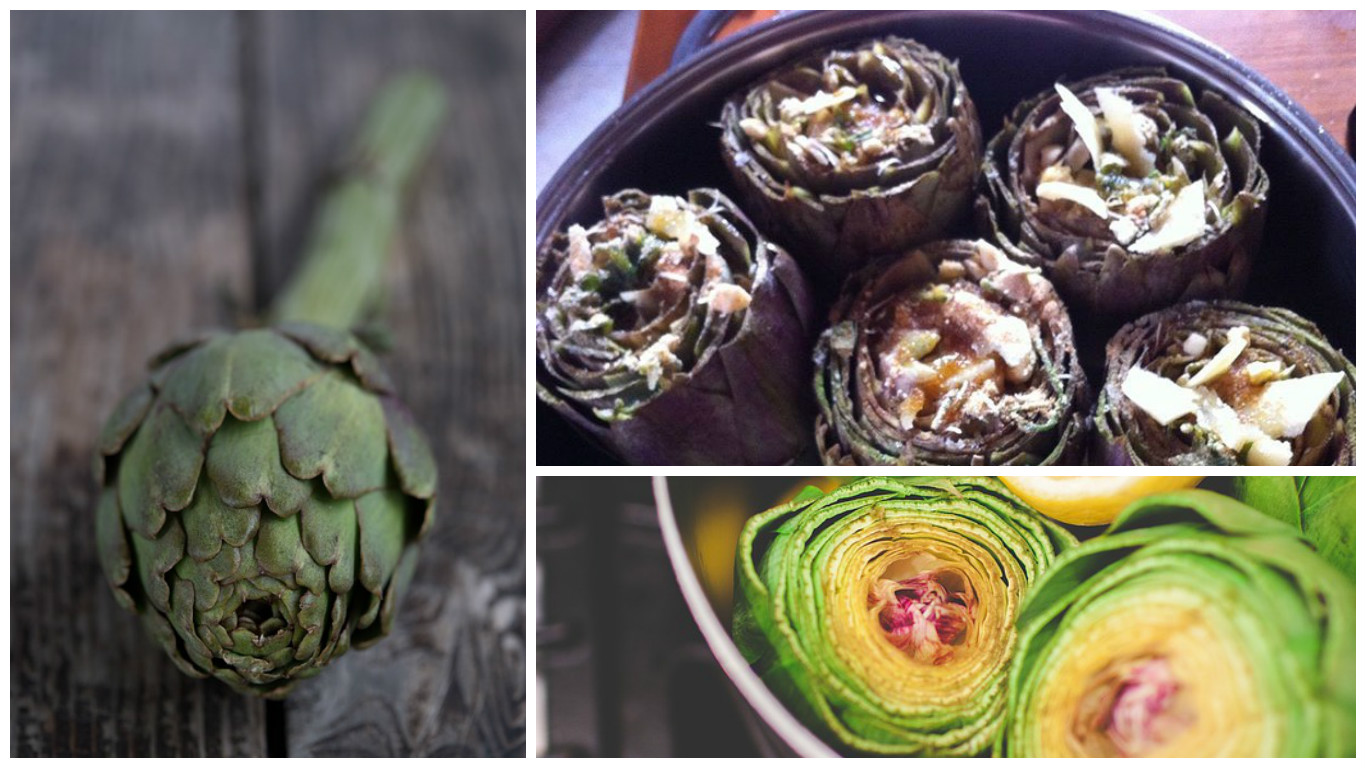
1322, 508
335, 430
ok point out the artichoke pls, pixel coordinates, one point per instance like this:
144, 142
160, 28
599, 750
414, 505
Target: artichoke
1194, 626
950, 354
262, 500
673, 333
1128, 192
858, 151
882, 613
263, 493
1225, 383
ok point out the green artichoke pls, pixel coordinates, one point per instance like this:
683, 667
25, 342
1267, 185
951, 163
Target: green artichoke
1194, 626
262, 500
263, 493
855, 152
672, 332
883, 612
1128, 192
950, 354
1225, 383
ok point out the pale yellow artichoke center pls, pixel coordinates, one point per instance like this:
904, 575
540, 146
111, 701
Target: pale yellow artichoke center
1152, 678
882, 551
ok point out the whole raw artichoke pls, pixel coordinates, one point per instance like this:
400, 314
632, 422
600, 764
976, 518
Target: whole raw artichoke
855, 152
1225, 382
1194, 626
263, 493
672, 332
883, 613
1128, 192
262, 500
950, 354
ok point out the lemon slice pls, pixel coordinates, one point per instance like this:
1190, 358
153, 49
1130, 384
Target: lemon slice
1090, 500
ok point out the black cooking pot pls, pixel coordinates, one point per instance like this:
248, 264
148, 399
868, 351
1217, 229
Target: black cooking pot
665, 138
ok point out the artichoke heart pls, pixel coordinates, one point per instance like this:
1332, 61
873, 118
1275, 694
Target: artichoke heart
262, 500
1225, 383
1194, 626
672, 333
1128, 192
882, 613
855, 152
950, 354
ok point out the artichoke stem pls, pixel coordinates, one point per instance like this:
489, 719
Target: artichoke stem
340, 280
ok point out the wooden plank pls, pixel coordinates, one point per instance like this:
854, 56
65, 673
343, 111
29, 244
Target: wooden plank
450, 680
128, 231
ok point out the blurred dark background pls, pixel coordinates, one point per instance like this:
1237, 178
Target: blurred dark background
622, 669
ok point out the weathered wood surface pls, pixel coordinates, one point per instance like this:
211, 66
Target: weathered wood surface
165, 167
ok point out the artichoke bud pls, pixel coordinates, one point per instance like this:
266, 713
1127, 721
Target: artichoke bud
262, 498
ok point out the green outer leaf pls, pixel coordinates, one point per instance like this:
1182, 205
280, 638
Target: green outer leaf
336, 430
1322, 508
1287, 608
777, 621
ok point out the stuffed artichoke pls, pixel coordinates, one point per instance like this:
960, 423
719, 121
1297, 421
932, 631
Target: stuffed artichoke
858, 151
951, 354
1195, 626
1128, 192
1225, 383
882, 613
673, 333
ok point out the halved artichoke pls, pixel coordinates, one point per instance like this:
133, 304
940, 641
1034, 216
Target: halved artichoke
673, 333
1128, 192
882, 613
1194, 626
950, 354
855, 152
1225, 382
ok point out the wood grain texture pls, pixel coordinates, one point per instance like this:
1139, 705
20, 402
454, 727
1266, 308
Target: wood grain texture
1311, 55
269, 102
128, 231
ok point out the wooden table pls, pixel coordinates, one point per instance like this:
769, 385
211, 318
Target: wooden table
164, 169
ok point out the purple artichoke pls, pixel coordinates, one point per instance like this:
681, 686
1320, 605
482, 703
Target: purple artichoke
671, 332
951, 354
855, 152
1129, 193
